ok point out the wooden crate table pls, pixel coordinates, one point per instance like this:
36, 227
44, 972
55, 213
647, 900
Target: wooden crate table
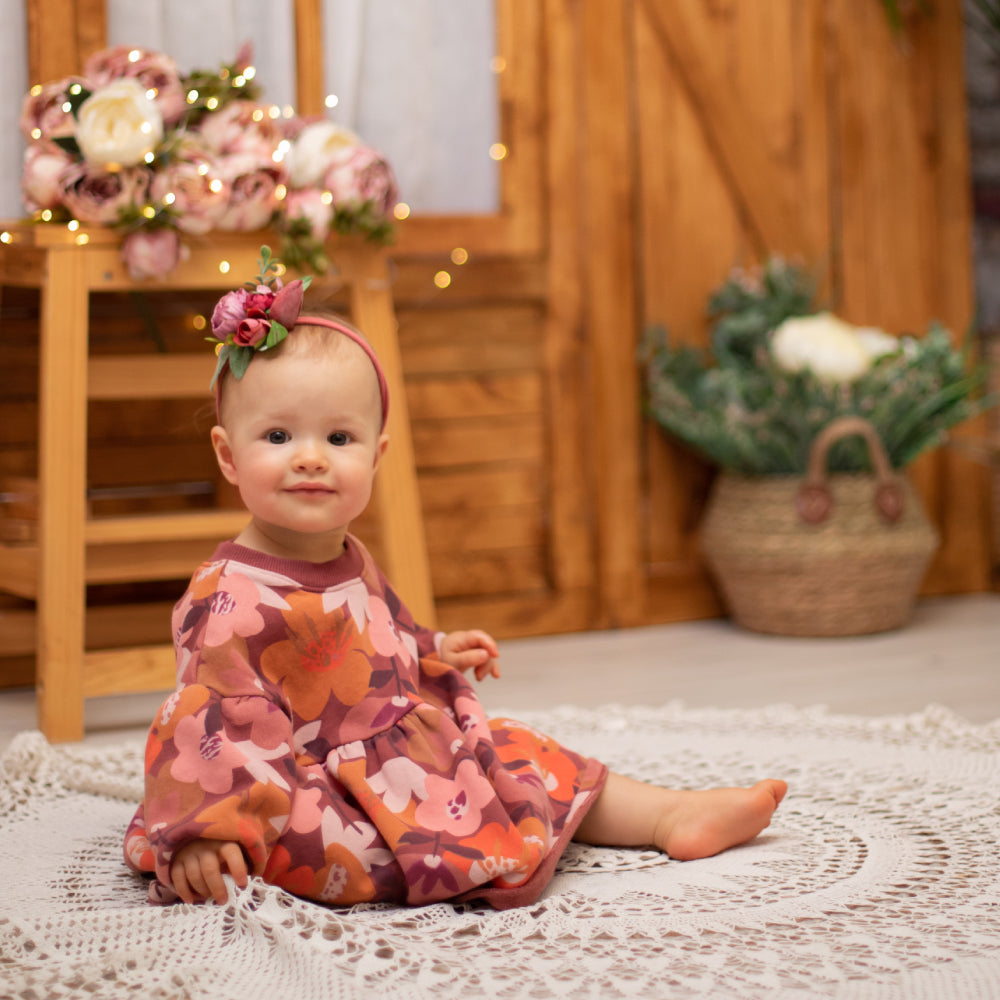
71, 549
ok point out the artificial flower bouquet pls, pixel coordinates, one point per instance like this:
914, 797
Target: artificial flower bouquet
779, 370
134, 145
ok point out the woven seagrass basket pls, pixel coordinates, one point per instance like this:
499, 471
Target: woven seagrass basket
824, 555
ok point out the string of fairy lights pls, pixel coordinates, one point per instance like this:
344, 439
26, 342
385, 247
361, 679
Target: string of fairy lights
442, 278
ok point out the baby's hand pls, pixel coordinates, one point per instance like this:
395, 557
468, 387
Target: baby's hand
472, 649
196, 871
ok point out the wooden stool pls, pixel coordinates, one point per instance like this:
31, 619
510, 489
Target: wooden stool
73, 550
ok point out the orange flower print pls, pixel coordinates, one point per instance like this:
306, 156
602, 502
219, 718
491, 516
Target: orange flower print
322, 655
509, 856
455, 804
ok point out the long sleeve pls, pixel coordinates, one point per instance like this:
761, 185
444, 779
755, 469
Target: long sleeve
217, 767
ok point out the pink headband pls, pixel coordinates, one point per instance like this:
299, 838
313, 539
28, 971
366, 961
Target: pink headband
260, 315
351, 334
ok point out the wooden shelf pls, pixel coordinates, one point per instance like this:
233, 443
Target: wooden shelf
71, 550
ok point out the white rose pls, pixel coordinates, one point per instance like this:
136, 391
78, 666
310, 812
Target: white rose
876, 342
118, 124
313, 149
822, 343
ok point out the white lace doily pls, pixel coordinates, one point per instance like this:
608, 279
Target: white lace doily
879, 878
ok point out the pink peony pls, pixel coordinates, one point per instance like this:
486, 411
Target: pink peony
43, 167
229, 312
151, 253
310, 206
242, 128
43, 112
95, 196
200, 196
253, 196
359, 175
154, 70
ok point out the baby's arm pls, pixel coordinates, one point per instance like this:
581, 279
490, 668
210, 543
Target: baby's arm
196, 870
472, 649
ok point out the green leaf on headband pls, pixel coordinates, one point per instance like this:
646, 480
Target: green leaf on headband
223, 357
239, 360
275, 336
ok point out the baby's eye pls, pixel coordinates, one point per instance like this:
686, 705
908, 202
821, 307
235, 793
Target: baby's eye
339, 438
277, 437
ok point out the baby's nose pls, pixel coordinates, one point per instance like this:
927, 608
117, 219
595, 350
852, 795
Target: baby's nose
309, 457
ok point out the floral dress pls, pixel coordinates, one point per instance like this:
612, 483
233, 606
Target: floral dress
315, 725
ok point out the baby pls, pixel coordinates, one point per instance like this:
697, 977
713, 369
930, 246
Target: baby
320, 738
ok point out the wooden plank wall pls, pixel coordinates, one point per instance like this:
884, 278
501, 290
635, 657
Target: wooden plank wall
653, 144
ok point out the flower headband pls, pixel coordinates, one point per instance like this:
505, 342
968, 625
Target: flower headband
261, 314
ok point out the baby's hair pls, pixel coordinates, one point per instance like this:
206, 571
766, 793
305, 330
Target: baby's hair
325, 337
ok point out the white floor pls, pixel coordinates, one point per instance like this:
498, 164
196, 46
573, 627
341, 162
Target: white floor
948, 654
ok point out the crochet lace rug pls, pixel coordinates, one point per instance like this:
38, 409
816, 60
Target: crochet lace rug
879, 878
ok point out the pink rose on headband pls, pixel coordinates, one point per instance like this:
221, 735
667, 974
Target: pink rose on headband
287, 304
229, 311
251, 331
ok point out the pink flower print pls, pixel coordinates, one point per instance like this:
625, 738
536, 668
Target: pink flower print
234, 610
455, 804
382, 630
306, 814
208, 759
397, 781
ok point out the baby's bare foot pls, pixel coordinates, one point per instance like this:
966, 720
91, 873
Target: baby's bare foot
700, 824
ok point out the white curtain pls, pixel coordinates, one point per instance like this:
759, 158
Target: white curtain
412, 77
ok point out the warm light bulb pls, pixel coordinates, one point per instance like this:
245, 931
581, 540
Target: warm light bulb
332, 100
212, 103
459, 255
134, 56
73, 225
402, 210
199, 322
224, 266
6, 237
82, 239
498, 151
442, 279
192, 96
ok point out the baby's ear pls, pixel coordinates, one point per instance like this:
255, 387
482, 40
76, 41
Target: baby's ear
383, 443
224, 454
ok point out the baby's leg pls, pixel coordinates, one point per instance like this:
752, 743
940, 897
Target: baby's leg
684, 824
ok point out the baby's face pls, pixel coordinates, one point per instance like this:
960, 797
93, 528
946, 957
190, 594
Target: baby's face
303, 433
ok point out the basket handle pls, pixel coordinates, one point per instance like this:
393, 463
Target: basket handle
815, 501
